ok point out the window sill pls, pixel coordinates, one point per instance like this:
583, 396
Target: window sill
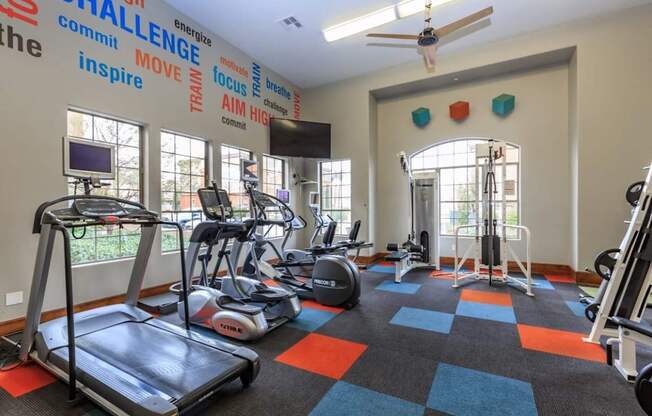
103, 262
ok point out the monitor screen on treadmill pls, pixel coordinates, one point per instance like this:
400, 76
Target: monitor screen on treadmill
84, 158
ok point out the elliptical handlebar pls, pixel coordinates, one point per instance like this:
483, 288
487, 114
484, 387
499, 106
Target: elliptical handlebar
261, 201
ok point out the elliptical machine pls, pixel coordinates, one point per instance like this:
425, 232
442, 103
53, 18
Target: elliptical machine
334, 279
233, 306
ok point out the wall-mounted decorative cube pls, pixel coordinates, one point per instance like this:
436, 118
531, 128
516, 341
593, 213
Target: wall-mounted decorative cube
421, 117
460, 110
503, 105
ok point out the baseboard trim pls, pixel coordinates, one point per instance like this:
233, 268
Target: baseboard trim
18, 324
539, 268
588, 279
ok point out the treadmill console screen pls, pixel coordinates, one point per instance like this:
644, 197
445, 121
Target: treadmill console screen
283, 195
314, 199
99, 208
249, 171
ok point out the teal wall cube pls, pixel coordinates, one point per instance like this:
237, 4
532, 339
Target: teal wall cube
504, 104
421, 117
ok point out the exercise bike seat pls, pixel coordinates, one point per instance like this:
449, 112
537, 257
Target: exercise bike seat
639, 327
228, 303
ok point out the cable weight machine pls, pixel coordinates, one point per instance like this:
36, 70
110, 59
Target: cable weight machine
421, 249
490, 249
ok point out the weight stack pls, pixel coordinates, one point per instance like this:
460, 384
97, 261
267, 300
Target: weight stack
485, 249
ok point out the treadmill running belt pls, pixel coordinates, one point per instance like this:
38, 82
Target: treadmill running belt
174, 365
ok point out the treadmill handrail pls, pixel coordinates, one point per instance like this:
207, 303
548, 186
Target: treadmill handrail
40, 211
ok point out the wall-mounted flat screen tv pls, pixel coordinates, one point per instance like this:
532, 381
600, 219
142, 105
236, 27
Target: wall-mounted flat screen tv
294, 138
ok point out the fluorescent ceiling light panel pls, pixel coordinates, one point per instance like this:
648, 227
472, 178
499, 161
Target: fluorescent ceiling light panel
360, 24
412, 7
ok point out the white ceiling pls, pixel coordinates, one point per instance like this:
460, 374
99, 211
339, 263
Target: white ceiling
306, 59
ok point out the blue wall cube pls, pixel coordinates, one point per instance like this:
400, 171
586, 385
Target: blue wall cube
503, 105
421, 117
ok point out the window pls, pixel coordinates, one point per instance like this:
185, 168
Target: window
231, 157
274, 178
459, 187
183, 172
335, 192
109, 243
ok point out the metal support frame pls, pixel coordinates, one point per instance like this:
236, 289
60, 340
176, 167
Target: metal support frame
630, 284
626, 361
526, 267
489, 154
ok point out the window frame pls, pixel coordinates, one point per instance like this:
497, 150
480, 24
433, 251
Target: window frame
207, 164
274, 231
141, 172
237, 213
438, 169
341, 231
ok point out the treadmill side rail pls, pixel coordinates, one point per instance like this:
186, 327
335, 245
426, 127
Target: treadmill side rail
147, 235
37, 292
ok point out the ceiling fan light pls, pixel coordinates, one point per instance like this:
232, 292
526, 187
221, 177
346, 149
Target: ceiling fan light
411, 7
360, 24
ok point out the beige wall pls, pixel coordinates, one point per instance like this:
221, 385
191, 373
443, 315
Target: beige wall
613, 67
539, 126
35, 96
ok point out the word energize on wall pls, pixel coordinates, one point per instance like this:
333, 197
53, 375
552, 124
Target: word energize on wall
148, 31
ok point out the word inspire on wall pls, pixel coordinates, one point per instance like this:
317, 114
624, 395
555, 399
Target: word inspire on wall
171, 51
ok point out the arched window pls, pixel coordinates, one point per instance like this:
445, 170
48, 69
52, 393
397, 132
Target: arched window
458, 188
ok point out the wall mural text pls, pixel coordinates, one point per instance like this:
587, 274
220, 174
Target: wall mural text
240, 92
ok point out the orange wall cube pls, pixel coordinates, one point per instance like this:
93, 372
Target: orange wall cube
460, 110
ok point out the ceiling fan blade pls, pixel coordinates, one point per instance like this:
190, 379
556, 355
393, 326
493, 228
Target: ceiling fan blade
392, 36
429, 54
472, 18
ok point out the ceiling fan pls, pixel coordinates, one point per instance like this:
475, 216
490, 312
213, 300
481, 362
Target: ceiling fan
429, 37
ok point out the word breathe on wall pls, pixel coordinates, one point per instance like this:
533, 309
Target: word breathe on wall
149, 32
22, 10
198, 36
278, 89
88, 32
112, 74
14, 40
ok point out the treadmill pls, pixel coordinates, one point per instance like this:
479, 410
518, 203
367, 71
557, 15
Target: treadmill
119, 356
